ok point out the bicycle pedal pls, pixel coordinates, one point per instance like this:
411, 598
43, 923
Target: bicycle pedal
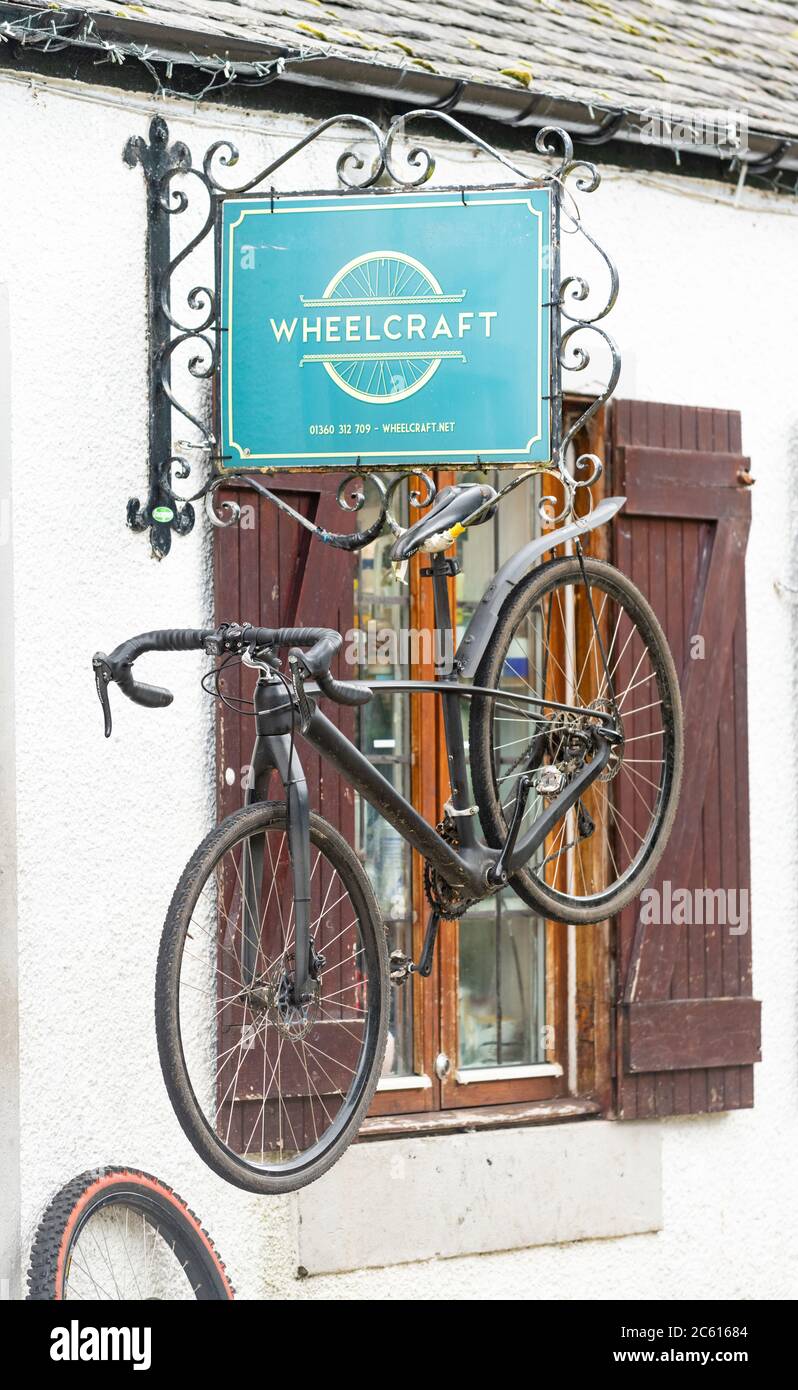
401, 966
548, 781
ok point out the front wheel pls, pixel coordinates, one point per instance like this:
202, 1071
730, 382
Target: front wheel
596, 646
270, 1091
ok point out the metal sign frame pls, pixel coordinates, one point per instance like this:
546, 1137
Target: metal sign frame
186, 328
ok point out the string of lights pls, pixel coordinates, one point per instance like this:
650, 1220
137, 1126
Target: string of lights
54, 31
50, 31
745, 199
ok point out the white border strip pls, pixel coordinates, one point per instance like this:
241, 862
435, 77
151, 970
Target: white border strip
404, 1083
471, 1074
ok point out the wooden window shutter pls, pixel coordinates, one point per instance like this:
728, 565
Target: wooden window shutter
270, 571
688, 1031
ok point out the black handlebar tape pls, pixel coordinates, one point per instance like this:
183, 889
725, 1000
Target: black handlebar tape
344, 692
164, 640
178, 639
317, 659
153, 696
316, 662
323, 644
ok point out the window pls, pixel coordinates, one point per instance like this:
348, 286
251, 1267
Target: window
494, 1025
521, 1015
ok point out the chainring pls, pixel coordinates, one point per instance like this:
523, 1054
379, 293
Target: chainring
445, 900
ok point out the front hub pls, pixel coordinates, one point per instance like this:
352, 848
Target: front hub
292, 1017
275, 997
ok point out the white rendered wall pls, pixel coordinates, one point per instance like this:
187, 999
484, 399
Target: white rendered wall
707, 313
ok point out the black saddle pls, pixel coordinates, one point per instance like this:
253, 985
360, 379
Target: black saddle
451, 506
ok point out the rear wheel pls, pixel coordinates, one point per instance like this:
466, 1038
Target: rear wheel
270, 1092
604, 850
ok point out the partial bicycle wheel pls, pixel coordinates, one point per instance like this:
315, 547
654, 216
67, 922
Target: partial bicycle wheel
270, 1092
604, 850
117, 1233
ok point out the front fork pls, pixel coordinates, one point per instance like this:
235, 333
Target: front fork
275, 751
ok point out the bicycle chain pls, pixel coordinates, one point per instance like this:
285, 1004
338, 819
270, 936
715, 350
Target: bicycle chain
572, 844
444, 899
441, 896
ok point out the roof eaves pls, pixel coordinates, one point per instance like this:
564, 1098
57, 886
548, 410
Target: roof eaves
403, 82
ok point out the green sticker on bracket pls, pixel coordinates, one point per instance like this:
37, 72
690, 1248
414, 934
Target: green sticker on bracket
163, 514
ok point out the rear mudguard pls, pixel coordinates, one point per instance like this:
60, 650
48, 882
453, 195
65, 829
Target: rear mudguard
483, 620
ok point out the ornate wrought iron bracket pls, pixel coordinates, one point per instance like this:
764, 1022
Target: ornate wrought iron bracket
195, 326
161, 511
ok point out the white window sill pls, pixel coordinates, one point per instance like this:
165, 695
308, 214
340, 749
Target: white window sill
401, 1200
404, 1083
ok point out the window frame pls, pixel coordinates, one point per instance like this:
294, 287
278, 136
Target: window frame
577, 1074
269, 573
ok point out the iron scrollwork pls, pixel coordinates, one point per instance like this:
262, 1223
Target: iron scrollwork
192, 331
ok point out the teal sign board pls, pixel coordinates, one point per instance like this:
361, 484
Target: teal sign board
386, 329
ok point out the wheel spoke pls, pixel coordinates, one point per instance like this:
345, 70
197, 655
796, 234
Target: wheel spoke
114, 1259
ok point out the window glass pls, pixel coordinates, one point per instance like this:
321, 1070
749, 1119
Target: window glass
382, 614
501, 1005
501, 1002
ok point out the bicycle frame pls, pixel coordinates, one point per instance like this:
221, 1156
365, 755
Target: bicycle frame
469, 865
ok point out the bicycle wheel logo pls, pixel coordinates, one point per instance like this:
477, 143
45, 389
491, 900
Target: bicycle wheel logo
384, 355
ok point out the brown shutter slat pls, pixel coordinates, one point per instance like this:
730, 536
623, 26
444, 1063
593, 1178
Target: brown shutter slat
676, 1034
271, 571
688, 1030
691, 485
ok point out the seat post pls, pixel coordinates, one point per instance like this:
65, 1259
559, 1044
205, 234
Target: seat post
441, 571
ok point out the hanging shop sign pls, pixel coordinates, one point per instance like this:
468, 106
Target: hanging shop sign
386, 328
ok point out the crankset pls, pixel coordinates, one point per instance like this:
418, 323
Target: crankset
446, 900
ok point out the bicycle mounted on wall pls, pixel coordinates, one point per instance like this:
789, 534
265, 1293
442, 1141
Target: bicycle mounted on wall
271, 996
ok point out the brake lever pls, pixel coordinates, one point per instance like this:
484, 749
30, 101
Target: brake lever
305, 710
103, 676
